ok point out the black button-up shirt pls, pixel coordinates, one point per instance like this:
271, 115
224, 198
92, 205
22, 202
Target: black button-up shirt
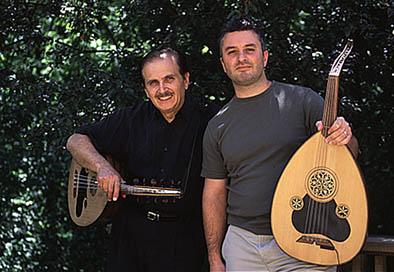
157, 153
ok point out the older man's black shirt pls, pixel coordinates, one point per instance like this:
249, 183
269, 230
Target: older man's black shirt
155, 152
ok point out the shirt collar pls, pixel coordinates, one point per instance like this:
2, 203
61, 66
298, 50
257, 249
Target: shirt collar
187, 109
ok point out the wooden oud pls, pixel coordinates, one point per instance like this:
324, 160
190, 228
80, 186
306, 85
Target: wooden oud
319, 211
87, 203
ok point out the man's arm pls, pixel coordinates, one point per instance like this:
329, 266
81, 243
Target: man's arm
86, 155
214, 203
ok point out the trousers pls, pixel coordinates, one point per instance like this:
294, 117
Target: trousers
141, 245
246, 251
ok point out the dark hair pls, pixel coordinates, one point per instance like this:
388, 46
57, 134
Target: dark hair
241, 24
158, 54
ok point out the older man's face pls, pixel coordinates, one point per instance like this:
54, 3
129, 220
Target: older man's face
165, 86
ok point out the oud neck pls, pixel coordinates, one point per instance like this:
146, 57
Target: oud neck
149, 190
125, 189
331, 100
330, 104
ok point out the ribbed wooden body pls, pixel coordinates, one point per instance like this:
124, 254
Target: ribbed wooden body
86, 202
320, 211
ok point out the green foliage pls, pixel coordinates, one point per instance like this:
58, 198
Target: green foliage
66, 63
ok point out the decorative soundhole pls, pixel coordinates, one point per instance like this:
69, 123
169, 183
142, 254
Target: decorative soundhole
322, 184
296, 203
342, 211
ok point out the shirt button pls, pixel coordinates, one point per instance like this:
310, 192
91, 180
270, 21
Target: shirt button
165, 149
162, 170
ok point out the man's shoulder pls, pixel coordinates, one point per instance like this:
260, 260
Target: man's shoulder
299, 96
224, 113
294, 91
288, 87
133, 111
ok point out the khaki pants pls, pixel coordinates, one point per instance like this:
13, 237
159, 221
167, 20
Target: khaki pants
246, 251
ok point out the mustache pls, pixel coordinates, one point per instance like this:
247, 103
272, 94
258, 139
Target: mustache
166, 93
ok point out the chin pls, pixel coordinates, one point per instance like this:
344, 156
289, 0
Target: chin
166, 109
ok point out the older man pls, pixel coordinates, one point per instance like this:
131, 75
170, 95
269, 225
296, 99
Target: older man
159, 144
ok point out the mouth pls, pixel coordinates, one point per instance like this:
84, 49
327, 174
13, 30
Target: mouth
243, 67
164, 97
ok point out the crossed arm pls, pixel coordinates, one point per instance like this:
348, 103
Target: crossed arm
85, 154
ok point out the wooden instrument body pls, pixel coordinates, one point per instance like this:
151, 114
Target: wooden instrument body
331, 193
86, 202
320, 210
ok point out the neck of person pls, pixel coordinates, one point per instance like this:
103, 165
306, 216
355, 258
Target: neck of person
256, 88
170, 115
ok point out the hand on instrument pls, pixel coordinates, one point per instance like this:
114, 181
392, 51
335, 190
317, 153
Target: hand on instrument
339, 133
109, 180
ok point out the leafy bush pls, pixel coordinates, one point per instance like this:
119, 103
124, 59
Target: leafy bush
66, 63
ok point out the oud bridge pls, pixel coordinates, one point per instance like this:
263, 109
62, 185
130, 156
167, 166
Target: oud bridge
323, 243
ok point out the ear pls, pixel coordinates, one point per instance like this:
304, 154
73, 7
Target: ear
186, 80
143, 84
147, 93
265, 54
223, 66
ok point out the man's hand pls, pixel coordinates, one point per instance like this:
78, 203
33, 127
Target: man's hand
86, 155
339, 133
109, 180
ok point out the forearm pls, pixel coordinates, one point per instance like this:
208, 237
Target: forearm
214, 217
85, 153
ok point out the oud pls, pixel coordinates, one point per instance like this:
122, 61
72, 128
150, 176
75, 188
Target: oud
88, 203
319, 211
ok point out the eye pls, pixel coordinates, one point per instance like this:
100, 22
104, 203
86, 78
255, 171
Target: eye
250, 50
169, 79
153, 84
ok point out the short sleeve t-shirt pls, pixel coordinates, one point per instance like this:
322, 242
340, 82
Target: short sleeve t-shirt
250, 140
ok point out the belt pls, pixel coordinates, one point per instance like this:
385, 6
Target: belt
154, 215
164, 217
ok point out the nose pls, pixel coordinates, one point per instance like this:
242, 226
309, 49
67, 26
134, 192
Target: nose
242, 57
162, 87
